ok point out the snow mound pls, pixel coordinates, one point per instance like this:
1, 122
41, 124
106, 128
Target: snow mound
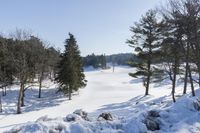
73, 123
159, 115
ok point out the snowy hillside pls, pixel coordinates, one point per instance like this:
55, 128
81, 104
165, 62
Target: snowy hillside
116, 94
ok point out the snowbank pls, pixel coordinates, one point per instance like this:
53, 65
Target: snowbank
106, 91
180, 117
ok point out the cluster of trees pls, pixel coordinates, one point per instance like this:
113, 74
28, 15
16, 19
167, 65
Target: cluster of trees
167, 41
23, 58
97, 61
26, 60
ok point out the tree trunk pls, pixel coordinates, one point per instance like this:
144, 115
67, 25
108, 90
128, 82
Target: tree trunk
148, 78
40, 84
173, 88
174, 79
148, 69
20, 98
186, 71
5, 91
0, 105
191, 81
70, 93
40, 87
186, 79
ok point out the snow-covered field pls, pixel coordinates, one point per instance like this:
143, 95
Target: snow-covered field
106, 91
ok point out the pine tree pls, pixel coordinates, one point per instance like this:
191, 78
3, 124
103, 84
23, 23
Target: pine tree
70, 75
145, 41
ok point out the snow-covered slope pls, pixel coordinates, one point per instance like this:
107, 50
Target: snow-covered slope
106, 91
128, 117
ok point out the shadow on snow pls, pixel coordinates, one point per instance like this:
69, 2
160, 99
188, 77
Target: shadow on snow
49, 98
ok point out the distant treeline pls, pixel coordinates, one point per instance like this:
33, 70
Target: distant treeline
99, 61
121, 59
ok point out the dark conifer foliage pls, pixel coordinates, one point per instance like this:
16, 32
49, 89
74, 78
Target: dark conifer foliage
70, 74
96, 61
99, 61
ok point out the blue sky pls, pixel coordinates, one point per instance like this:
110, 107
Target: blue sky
100, 26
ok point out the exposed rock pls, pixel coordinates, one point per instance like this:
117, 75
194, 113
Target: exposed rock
82, 114
105, 116
197, 105
151, 120
152, 124
153, 113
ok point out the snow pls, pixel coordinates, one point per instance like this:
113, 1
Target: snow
115, 93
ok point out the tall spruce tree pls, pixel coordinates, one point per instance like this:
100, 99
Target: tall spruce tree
70, 75
145, 41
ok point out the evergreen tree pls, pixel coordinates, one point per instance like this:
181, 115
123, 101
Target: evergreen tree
70, 75
145, 41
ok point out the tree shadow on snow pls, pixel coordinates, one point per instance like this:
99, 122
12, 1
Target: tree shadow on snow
179, 82
135, 81
125, 106
135, 105
48, 99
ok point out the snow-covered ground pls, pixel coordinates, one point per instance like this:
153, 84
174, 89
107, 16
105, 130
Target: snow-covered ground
106, 91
